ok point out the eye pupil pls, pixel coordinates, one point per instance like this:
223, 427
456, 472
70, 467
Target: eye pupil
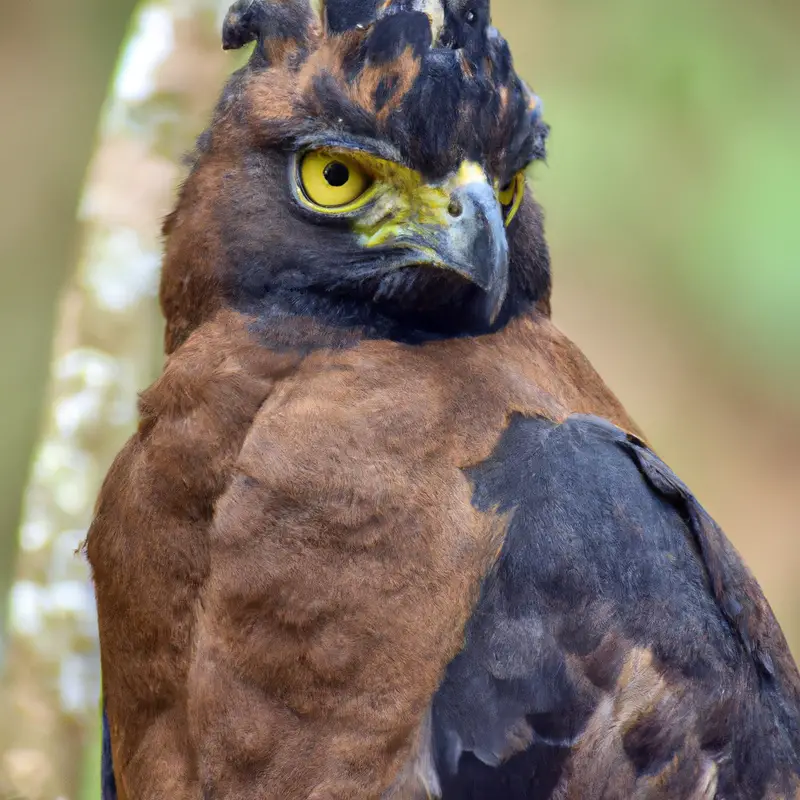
336, 174
471, 17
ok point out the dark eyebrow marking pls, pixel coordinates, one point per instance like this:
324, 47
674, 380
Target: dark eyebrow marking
344, 141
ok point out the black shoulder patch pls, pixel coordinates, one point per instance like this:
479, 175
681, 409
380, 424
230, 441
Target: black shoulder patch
617, 616
734, 588
108, 784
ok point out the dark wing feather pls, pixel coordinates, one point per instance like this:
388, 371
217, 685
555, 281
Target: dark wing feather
108, 784
620, 648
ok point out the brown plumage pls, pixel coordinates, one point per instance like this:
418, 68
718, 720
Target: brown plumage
309, 560
376, 534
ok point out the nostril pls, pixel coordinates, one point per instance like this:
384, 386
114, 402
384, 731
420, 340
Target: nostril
455, 209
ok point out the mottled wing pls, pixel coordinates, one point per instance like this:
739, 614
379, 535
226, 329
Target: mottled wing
620, 648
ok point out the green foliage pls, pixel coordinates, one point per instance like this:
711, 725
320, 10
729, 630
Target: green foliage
675, 158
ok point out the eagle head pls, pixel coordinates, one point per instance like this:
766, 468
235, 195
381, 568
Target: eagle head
368, 174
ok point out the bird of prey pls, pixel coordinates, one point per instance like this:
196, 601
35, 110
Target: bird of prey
382, 531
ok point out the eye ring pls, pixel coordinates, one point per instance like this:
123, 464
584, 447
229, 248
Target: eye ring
510, 196
331, 182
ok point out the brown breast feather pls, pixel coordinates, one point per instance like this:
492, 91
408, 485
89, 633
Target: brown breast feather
286, 553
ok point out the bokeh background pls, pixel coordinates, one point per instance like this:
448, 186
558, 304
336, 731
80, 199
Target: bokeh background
673, 197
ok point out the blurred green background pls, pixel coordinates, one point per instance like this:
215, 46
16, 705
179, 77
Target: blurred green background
672, 194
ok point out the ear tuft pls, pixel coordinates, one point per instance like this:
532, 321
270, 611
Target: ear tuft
264, 20
243, 24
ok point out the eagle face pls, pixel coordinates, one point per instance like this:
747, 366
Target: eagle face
372, 177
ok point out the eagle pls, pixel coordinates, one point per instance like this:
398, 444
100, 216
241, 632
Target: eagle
382, 531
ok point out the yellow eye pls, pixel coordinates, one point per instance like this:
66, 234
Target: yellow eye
333, 182
510, 196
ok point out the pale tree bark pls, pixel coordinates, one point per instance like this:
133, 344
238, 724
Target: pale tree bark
55, 61
107, 348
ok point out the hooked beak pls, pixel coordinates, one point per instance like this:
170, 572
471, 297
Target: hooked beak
472, 243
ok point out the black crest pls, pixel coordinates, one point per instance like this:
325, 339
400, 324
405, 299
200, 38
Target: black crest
260, 20
344, 15
432, 77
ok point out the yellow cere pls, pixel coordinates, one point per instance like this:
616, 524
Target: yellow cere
404, 203
511, 196
469, 172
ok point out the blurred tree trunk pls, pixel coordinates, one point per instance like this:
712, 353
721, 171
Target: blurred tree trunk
107, 347
55, 59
